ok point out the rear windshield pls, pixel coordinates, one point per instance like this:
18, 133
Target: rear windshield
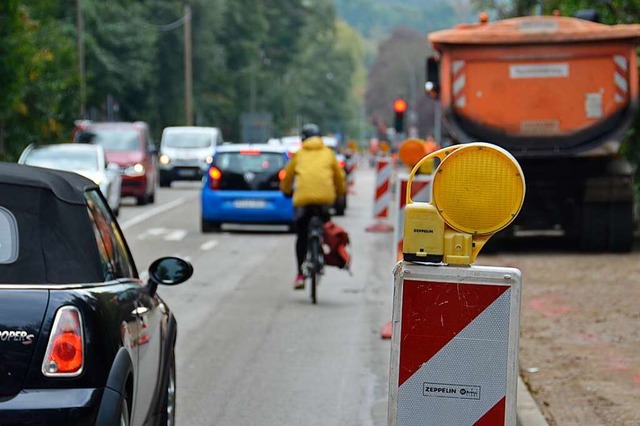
112, 139
250, 170
187, 140
63, 159
44, 240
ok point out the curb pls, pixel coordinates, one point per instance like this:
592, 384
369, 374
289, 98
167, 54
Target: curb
527, 412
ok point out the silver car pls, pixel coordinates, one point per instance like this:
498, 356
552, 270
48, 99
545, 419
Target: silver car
187, 152
87, 160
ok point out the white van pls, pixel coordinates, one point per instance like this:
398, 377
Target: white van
186, 152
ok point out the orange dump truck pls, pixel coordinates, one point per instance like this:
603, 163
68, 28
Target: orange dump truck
559, 94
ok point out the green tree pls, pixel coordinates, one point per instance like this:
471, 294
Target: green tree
37, 75
120, 53
398, 72
16, 51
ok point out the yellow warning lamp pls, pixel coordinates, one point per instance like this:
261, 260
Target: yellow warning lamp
413, 150
478, 190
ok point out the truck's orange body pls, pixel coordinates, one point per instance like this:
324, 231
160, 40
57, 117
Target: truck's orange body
556, 92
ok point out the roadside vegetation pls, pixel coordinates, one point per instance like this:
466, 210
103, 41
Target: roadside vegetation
292, 58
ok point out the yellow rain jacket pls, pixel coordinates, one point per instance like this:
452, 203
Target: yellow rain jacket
319, 179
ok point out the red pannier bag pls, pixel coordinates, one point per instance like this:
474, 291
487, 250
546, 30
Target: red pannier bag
336, 240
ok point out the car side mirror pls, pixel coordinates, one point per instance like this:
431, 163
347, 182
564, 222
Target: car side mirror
168, 271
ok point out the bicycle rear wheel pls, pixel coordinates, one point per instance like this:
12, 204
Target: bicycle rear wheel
315, 269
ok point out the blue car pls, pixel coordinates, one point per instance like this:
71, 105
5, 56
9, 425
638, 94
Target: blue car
242, 186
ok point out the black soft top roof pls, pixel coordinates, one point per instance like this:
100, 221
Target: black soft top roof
66, 186
56, 239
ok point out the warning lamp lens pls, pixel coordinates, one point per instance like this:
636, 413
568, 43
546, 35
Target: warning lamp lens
479, 189
400, 105
412, 151
282, 174
65, 351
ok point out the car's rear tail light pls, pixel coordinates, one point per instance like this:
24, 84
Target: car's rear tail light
250, 152
282, 174
65, 350
214, 178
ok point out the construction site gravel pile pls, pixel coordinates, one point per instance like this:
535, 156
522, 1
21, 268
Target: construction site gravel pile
580, 332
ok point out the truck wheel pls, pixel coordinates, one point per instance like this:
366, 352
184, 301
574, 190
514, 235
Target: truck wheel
594, 227
620, 227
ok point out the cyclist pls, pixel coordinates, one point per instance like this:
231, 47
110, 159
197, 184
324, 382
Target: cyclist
319, 179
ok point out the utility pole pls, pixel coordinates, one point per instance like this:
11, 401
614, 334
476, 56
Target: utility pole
188, 68
81, 64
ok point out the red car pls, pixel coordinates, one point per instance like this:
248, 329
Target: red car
130, 146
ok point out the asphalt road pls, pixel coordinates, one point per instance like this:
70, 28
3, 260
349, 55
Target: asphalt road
251, 350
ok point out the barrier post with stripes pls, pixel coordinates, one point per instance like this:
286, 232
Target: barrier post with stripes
454, 353
351, 182
420, 191
382, 198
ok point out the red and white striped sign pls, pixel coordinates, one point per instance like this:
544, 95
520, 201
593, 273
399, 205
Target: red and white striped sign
383, 184
454, 350
621, 77
459, 80
420, 191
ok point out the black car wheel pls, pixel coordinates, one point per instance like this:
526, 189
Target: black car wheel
152, 197
141, 201
165, 182
169, 405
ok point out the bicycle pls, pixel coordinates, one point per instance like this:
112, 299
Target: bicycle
313, 266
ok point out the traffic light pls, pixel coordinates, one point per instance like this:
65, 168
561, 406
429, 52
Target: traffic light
399, 107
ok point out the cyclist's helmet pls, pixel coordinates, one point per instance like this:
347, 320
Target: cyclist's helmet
310, 130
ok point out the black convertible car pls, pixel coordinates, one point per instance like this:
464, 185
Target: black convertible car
83, 340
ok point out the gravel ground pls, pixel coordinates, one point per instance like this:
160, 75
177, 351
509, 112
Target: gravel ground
580, 332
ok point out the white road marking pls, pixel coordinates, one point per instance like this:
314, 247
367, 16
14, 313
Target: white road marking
208, 245
157, 231
146, 215
177, 235
152, 232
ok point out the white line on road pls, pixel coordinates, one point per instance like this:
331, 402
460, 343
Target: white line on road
208, 245
146, 215
153, 232
177, 235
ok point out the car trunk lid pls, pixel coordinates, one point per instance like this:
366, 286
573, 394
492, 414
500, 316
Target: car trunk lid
21, 318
